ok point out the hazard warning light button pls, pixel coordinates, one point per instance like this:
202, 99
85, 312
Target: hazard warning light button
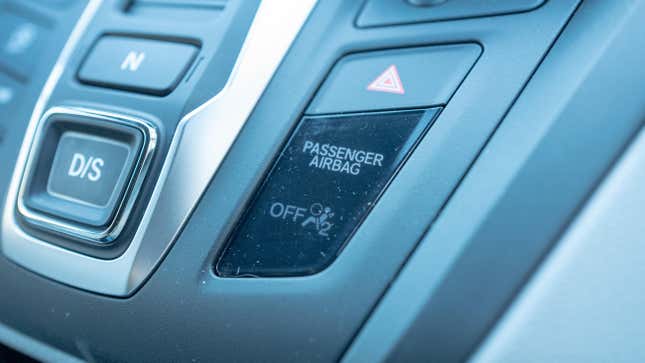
395, 79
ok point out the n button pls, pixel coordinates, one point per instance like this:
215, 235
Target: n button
138, 65
84, 172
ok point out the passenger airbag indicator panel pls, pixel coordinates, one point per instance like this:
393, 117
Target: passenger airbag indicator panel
320, 189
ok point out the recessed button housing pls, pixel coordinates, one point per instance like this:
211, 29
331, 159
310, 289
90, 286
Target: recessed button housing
139, 65
84, 172
91, 171
324, 183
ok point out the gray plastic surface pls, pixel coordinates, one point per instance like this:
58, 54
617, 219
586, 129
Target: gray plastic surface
585, 302
10, 95
419, 77
390, 12
22, 42
35, 349
185, 312
538, 168
15, 114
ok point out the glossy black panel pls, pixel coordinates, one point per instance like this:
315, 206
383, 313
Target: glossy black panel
326, 180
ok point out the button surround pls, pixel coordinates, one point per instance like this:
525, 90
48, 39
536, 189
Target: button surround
94, 121
77, 198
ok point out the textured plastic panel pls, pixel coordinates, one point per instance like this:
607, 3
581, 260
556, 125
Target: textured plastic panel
10, 95
585, 303
529, 181
311, 318
17, 94
22, 42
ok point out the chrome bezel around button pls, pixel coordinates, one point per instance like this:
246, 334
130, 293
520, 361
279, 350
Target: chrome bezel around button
123, 207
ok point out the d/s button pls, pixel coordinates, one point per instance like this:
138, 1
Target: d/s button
84, 171
88, 169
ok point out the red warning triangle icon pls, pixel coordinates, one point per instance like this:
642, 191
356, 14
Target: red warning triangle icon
388, 81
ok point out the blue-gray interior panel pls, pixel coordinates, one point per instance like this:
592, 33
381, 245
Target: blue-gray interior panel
185, 311
585, 302
539, 167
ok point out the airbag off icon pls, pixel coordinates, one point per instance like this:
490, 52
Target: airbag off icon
318, 216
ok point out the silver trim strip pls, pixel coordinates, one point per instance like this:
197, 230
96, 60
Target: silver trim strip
33, 348
124, 207
203, 138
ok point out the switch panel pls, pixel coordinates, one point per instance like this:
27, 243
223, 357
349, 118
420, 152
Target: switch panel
322, 186
83, 171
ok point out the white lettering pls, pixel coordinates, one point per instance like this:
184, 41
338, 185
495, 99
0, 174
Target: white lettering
378, 158
308, 145
95, 175
276, 209
340, 159
355, 169
133, 61
77, 164
83, 166
314, 161
288, 211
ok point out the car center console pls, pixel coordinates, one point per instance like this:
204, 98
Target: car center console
194, 178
